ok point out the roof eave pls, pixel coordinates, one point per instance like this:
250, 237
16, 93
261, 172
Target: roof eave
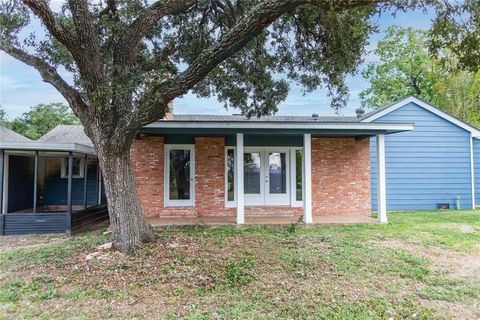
45, 146
427, 106
260, 125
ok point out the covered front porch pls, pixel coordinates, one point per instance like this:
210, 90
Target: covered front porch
192, 171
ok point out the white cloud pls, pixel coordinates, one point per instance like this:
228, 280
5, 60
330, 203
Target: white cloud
7, 82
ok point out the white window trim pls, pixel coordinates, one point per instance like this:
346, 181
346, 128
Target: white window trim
293, 181
231, 203
166, 176
294, 203
64, 171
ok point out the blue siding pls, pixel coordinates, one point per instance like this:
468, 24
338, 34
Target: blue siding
426, 166
476, 170
56, 187
16, 224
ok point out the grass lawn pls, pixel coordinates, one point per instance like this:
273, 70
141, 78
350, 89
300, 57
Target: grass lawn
422, 265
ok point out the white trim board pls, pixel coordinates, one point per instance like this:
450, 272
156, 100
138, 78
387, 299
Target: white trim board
475, 132
277, 125
166, 178
472, 173
47, 146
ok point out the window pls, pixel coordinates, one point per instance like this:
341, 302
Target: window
77, 168
252, 172
230, 174
298, 175
179, 175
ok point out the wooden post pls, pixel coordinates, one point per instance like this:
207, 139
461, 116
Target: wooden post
307, 181
85, 174
239, 181
381, 181
35, 182
2, 156
69, 193
472, 173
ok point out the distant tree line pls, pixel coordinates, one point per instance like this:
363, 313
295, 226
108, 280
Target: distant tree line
405, 67
39, 120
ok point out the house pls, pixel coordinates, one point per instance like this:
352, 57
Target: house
188, 169
406, 156
433, 166
49, 185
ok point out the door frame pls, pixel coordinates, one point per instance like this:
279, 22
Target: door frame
166, 178
265, 198
251, 199
276, 199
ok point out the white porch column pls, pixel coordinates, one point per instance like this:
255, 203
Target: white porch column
472, 173
239, 181
307, 178
381, 183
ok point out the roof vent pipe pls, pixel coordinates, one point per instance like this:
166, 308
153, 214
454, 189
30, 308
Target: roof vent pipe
360, 112
169, 113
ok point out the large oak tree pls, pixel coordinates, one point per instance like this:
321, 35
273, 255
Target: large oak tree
130, 58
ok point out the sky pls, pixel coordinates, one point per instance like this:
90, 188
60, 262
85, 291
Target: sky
21, 86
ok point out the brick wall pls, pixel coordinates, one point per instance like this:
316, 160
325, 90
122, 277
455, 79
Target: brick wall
340, 176
147, 164
209, 176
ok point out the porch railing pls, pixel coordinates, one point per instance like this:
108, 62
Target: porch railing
52, 222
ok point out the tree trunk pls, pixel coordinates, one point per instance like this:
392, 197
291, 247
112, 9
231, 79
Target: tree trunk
128, 224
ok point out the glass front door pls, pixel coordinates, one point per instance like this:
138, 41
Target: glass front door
179, 174
276, 179
266, 179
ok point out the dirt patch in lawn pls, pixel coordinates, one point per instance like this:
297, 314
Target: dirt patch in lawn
455, 265
456, 310
13, 243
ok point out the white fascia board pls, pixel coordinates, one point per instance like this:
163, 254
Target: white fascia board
280, 125
46, 146
475, 132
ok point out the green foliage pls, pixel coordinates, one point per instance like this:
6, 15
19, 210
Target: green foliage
41, 119
457, 27
3, 117
242, 271
293, 227
405, 67
309, 44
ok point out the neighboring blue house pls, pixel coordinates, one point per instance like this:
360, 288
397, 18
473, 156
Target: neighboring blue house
430, 166
49, 185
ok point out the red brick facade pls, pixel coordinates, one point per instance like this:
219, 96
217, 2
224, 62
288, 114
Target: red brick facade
340, 179
341, 176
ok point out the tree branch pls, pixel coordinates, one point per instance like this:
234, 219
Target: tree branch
129, 43
41, 9
89, 57
49, 74
247, 27
161, 58
83, 44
